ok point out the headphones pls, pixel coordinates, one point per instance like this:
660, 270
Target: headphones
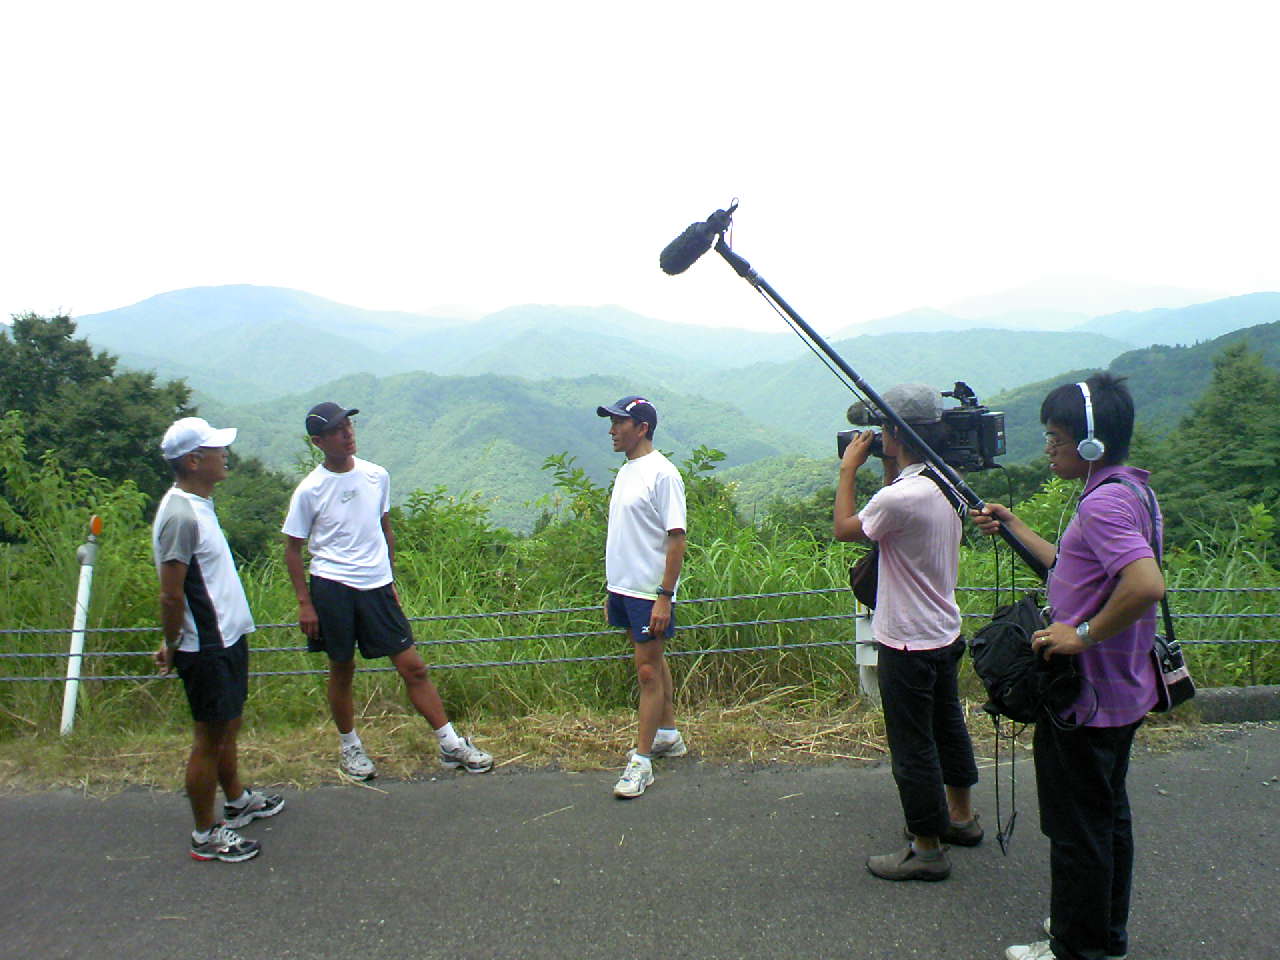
1091, 448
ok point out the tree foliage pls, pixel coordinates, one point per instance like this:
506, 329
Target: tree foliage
1223, 459
79, 408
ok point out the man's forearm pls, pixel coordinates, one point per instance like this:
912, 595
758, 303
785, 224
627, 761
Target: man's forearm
173, 613
675, 560
844, 516
297, 574
1141, 585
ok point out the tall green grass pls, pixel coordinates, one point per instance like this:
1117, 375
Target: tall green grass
450, 561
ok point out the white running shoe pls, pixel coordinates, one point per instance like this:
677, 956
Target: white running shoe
1039, 950
1109, 956
356, 764
467, 756
669, 748
637, 775
259, 805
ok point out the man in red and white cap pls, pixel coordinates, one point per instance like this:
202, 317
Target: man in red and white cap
205, 618
644, 553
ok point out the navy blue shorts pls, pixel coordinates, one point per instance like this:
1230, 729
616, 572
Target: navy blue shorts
632, 614
371, 618
216, 681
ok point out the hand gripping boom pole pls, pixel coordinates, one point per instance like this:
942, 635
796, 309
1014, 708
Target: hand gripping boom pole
745, 270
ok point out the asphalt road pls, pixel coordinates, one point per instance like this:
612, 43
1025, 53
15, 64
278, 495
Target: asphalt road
713, 862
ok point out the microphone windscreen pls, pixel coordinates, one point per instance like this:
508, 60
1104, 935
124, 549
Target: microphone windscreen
858, 414
681, 253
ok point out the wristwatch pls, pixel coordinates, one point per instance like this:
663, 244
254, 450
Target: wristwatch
1082, 632
664, 592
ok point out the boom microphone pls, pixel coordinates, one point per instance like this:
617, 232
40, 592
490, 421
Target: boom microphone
682, 252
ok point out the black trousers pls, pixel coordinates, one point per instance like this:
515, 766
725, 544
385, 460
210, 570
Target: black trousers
928, 740
1084, 811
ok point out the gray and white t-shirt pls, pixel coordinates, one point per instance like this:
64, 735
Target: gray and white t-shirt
186, 529
340, 517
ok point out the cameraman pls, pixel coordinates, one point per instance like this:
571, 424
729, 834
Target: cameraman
1103, 584
917, 628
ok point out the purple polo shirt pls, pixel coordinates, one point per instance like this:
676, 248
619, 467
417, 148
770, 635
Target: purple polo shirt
1110, 530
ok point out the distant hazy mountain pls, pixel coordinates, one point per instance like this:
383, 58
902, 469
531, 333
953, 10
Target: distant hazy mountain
176, 319
1084, 296
247, 342
928, 320
488, 433
243, 343
1164, 381
479, 405
1188, 325
802, 397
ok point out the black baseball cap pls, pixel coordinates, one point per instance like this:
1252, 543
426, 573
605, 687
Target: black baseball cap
637, 408
325, 415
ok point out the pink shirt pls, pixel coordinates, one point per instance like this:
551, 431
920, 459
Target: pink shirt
919, 537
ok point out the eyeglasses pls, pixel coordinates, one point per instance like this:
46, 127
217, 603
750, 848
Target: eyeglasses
1052, 442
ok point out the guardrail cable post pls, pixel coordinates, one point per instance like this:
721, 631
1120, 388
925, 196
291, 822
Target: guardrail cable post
87, 554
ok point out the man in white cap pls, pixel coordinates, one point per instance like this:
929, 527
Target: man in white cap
341, 511
915, 520
205, 619
644, 553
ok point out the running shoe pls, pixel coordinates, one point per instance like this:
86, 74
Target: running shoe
669, 748
635, 778
226, 845
356, 764
467, 756
260, 806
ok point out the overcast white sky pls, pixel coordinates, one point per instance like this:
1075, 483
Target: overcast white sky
406, 155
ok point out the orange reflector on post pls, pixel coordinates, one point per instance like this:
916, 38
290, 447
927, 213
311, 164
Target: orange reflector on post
95, 525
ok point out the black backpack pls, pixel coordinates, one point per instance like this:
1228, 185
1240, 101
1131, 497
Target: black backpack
1020, 684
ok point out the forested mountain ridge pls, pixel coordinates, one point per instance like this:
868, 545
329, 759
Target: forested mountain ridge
1165, 382
490, 434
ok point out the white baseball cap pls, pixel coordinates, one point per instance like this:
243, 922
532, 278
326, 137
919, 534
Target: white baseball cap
191, 433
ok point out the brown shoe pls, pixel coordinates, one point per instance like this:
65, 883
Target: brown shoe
957, 834
905, 865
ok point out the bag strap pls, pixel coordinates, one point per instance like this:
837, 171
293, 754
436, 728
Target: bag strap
1156, 542
953, 498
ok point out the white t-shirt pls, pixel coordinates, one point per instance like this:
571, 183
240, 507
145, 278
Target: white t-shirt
186, 529
647, 502
919, 537
340, 517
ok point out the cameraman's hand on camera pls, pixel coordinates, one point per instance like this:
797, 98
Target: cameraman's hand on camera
989, 518
859, 449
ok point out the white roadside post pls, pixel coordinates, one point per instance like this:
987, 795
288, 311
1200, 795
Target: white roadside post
87, 554
867, 654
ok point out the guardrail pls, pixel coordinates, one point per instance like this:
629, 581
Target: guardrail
91, 657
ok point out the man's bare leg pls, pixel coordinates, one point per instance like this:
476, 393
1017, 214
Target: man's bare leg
341, 704
202, 772
655, 692
417, 682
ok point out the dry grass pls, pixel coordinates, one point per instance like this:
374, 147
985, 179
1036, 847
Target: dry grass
775, 728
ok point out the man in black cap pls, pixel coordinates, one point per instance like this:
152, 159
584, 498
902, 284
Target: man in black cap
341, 510
643, 556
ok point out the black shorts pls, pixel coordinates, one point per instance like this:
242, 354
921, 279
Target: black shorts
371, 618
216, 681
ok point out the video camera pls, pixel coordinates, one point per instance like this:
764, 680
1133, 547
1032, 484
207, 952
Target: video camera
973, 434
